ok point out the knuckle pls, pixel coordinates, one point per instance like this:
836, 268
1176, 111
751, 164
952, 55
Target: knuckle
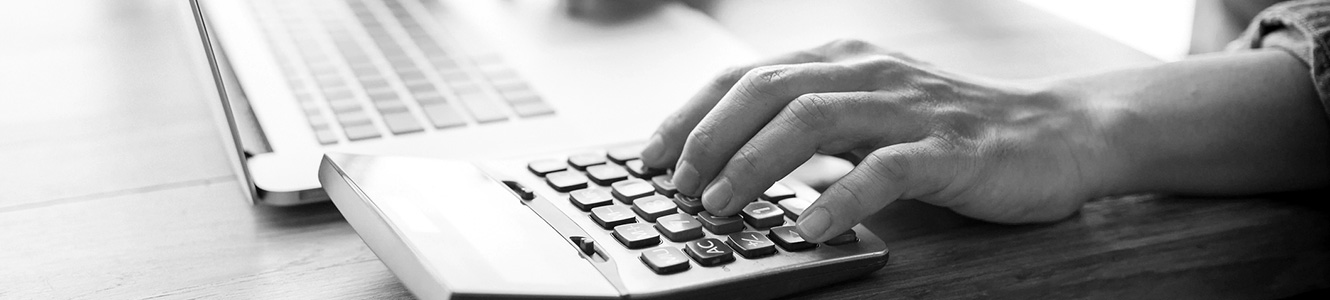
890, 165
767, 77
849, 45
810, 111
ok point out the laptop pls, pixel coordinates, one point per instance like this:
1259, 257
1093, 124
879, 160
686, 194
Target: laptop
459, 79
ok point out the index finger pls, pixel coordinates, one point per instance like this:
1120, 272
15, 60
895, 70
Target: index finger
666, 145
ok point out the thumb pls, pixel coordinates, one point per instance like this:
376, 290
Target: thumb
908, 170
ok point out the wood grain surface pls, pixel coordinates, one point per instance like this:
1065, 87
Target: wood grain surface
116, 184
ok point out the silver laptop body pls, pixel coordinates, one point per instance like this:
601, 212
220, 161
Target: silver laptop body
461, 80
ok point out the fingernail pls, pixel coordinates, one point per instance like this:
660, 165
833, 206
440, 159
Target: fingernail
654, 149
685, 179
812, 225
717, 196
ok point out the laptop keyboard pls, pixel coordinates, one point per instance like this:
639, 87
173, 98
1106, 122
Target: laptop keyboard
367, 69
641, 208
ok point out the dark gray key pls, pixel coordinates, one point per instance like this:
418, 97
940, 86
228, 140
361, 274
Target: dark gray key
623, 154
590, 198
690, 205
606, 174
777, 192
665, 260
720, 225
679, 227
542, 167
751, 244
629, 190
610, 216
361, 132
584, 160
794, 207
640, 170
653, 207
761, 214
532, 109
788, 239
636, 235
709, 252
483, 107
566, 181
443, 115
402, 123
843, 238
664, 185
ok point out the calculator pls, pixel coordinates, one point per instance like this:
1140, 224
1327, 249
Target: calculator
588, 223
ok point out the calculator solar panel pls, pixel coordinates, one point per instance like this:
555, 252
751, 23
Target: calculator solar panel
627, 222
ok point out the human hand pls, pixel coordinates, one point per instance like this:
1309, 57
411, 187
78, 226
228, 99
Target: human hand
993, 150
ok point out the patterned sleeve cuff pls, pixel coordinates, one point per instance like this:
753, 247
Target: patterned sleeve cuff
1301, 28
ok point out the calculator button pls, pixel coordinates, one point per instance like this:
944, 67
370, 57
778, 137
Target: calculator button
788, 239
584, 160
566, 181
542, 167
606, 174
585, 200
720, 225
623, 155
665, 260
690, 205
709, 252
610, 216
654, 206
636, 235
640, 170
664, 185
679, 227
751, 244
629, 190
763, 214
794, 207
844, 238
777, 192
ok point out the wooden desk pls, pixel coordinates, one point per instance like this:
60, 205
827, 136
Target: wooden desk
116, 184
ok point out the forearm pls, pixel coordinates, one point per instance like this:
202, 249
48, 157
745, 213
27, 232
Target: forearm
1220, 125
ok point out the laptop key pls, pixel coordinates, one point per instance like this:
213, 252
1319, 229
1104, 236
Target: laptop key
542, 167
443, 116
636, 235
751, 244
665, 185
361, 132
720, 225
777, 192
690, 205
665, 260
762, 214
566, 181
609, 217
606, 174
709, 252
679, 227
653, 207
483, 108
325, 136
584, 160
590, 198
629, 190
788, 239
402, 123
532, 109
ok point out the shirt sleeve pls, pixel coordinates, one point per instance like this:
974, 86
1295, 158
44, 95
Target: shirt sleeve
1301, 28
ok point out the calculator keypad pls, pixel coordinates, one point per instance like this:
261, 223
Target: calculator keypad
614, 189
